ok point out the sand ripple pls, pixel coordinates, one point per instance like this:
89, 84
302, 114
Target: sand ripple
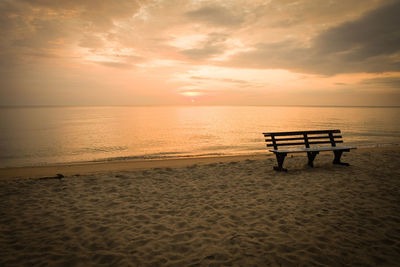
239, 213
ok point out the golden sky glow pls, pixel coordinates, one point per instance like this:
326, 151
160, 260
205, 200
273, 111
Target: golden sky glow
276, 52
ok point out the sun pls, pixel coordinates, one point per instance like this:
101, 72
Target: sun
191, 93
193, 96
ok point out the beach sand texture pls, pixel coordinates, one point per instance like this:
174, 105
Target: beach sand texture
229, 213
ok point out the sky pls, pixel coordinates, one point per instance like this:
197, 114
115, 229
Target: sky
169, 52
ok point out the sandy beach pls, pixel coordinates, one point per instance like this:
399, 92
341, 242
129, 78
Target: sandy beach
228, 211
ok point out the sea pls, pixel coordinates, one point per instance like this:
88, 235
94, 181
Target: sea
36, 136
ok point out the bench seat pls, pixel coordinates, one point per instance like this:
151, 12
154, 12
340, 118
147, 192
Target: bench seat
304, 141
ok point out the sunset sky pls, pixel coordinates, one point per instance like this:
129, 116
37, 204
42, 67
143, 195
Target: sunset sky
123, 52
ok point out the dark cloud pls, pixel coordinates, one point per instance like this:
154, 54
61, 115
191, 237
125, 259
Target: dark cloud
215, 15
279, 55
386, 82
203, 53
214, 45
376, 33
112, 64
363, 45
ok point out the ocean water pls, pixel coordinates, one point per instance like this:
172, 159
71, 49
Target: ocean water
49, 135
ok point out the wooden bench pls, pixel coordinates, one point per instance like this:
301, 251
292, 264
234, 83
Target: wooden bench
301, 141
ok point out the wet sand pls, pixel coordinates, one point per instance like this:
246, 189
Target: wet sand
214, 211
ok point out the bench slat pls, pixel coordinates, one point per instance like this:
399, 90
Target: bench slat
286, 139
303, 143
324, 142
287, 144
302, 138
301, 132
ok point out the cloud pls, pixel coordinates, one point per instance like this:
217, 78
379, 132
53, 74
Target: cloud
215, 15
37, 23
386, 82
42, 30
202, 53
376, 33
212, 46
320, 14
363, 45
91, 41
113, 64
278, 55
235, 82
200, 91
99, 14
286, 23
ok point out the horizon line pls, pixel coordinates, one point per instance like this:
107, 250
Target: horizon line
197, 105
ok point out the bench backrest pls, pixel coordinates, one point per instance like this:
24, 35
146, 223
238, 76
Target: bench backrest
304, 138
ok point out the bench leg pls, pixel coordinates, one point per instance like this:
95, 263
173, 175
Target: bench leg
280, 157
338, 155
311, 156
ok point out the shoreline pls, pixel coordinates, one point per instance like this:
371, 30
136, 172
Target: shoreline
83, 168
